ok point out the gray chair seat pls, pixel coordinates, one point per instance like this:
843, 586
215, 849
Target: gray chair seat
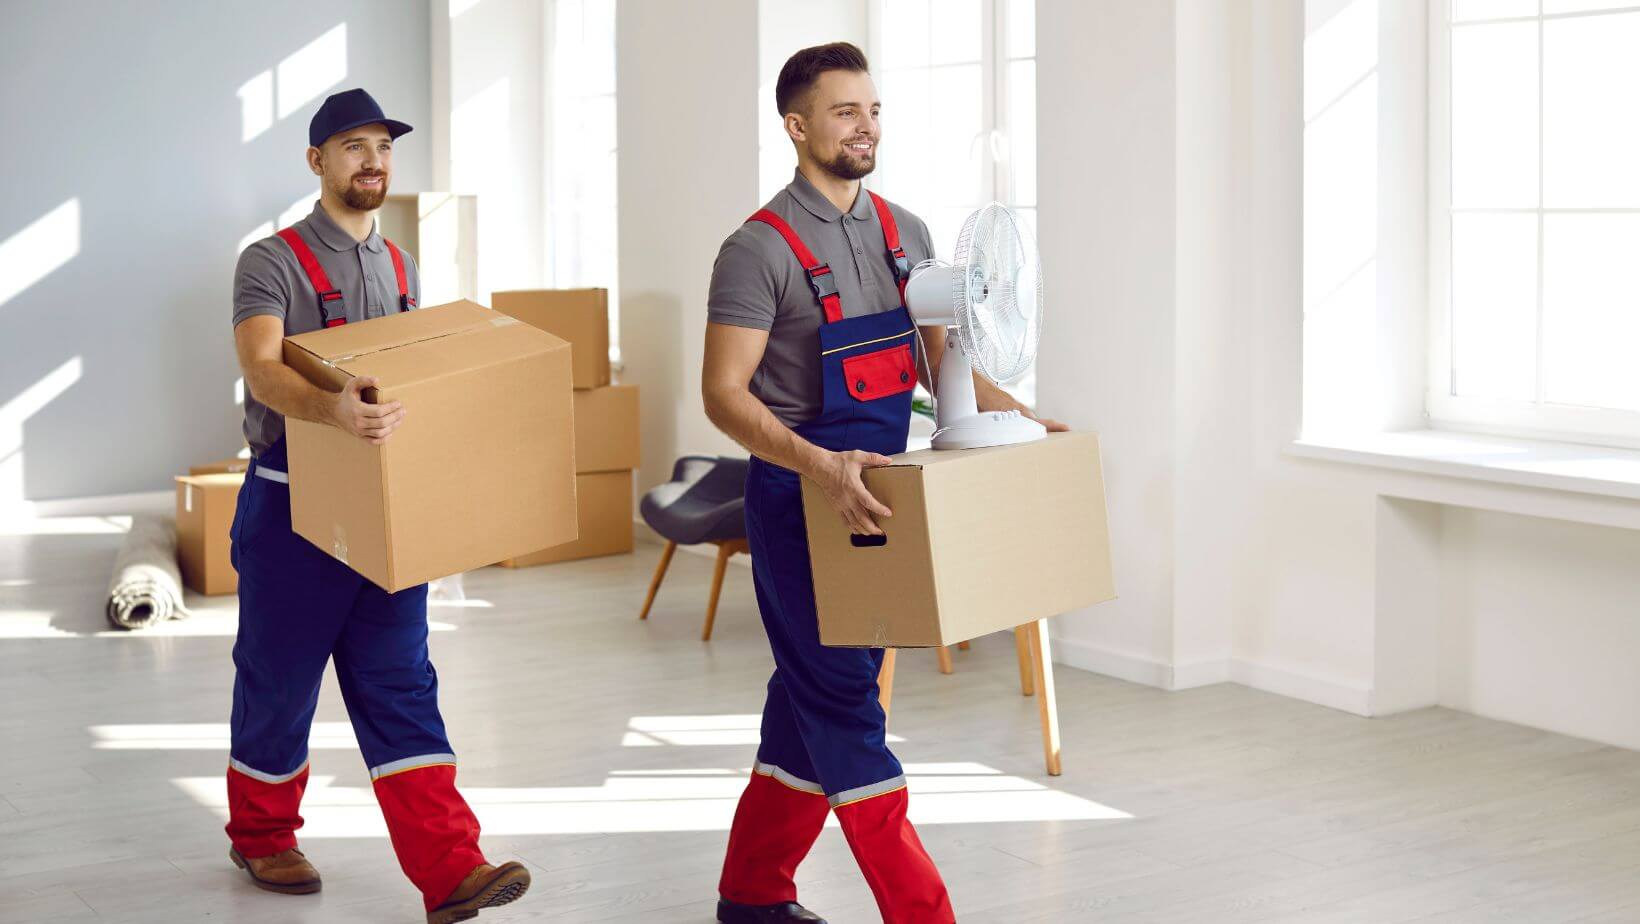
704, 502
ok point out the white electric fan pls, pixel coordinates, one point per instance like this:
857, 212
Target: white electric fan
990, 298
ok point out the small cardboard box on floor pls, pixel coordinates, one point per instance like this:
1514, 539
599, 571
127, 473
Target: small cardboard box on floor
205, 507
981, 540
482, 467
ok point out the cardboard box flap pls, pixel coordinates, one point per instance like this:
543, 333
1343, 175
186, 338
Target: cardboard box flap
460, 351
396, 330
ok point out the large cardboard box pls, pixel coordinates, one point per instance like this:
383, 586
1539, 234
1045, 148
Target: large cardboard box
483, 467
981, 540
605, 521
606, 429
221, 467
580, 316
205, 507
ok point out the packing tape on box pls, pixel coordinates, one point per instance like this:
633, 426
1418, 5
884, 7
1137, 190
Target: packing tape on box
188, 498
504, 320
338, 546
879, 633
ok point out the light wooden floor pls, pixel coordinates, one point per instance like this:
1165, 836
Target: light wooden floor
607, 754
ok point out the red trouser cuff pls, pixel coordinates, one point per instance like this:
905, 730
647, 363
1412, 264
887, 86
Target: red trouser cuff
775, 825
434, 832
263, 817
902, 876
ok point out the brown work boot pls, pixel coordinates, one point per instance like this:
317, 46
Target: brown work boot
288, 871
485, 887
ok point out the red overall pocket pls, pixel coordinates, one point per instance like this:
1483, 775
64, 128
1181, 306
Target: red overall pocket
877, 375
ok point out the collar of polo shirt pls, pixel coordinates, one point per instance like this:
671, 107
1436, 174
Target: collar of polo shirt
820, 207
326, 229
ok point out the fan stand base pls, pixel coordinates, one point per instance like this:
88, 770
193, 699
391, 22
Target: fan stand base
990, 428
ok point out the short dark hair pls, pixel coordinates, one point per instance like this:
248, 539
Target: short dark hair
803, 69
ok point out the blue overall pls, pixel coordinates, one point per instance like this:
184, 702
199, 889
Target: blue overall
298, 609
823, 728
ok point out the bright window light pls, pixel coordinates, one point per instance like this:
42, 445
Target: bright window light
256, 106
32, 253
630, 802
312, 69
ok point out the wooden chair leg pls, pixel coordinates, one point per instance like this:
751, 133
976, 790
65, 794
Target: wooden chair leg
725, 551
945, 659
655, 582
1045, 700
1022, 647
885, 682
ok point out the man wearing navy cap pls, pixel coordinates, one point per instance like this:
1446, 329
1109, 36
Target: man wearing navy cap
299, 607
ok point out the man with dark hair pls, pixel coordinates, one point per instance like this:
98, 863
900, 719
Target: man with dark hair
810, 364
299, 608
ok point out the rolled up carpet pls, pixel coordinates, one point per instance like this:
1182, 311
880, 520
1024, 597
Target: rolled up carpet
147, 587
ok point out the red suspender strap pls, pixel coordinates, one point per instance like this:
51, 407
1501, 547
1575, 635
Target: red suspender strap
820, 277
316, 275
405, 301
891, 237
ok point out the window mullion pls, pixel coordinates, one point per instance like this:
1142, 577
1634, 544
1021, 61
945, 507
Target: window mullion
1541, 391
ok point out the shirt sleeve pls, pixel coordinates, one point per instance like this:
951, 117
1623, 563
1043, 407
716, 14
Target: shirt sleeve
260, 283
744, 291
919, 244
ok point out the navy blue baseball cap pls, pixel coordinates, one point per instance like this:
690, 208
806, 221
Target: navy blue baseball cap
347, 110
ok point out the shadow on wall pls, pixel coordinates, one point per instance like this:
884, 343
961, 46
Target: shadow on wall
131, 187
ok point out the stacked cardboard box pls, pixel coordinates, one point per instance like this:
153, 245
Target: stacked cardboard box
606, 421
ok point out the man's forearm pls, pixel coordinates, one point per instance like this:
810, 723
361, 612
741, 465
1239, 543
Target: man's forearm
285, 390
750, 423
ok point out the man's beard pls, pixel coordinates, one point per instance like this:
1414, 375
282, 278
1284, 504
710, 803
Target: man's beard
364, 200
847, 166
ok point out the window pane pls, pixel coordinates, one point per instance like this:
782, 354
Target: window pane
1339, 53
905, 163
955, 31
1591, 310
1494, 116
1494, 306
1021, 28
1465, 10
905, 33
1578, 6
954, 133
1591, 112
1021, 117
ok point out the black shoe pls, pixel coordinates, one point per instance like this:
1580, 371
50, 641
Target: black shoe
735, 913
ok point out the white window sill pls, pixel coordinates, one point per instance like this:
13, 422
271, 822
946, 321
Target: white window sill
1597, 470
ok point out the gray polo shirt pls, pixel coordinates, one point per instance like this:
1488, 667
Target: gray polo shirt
268, 280
758, 283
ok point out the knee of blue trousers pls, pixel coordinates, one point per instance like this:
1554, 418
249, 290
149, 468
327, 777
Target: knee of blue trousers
781, 752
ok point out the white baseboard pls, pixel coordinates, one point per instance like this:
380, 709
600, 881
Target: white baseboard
1138, 668
1307, 687
1119, 664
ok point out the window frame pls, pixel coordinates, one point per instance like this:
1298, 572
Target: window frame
1464, 413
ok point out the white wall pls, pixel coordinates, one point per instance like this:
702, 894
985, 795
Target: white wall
1175, 187
1106, 142
490, 69
172, 141
687, 178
